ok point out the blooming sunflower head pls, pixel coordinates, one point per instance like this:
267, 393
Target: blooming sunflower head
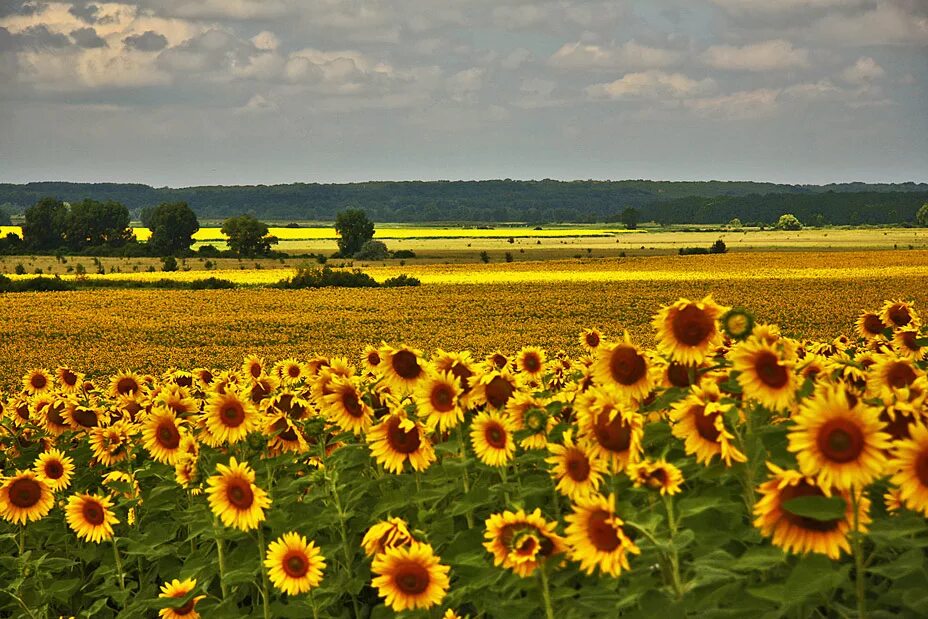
437, 399
234, 497
521, 541
180, 590
55, 469
491, 435
90, 517
624, 367
687, 331
390, 533
24, 497
397, 439
596, 537
294, 565
410, 577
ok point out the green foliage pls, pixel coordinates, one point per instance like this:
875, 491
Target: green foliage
168, 263
373, 250
484, 257
404, 253
248, 237
788, 221
400, 281
45, 225
630, 218
91, 223
922, 215
354, 230
172, 226
313, 277
5, 219
735, 224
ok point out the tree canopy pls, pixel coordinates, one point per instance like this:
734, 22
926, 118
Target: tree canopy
45, 224
172, 226
96, 224
248, 237
354, 230
922, 215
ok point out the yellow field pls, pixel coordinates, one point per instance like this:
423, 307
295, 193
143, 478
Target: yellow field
478, 306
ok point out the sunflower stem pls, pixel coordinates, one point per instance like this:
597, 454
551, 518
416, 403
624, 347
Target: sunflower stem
546, 591
119, 570
860, 569
502, 478
22, 539
265, 597
220, 551
469, 514
312, 601
674, 557
342, 529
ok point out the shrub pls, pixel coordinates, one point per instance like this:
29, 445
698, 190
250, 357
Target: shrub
404, 253
718, 247
400, 280
508, 256
373, 250
168, 263
309, 277
788, 221
484, 257
20, 269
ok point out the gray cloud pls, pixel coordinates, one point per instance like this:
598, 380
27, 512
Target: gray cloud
148, 41
40, 37
87, 38
85, 12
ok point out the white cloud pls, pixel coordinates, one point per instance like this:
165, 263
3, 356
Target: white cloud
651, 85
266, 40
863, 71
516, 58
629, 55
736, 106
782, 6
774, 55
886, 24
464, 84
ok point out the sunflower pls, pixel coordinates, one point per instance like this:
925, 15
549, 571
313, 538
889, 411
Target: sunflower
389, 533
229, 417
898, 314
699, 419
578, 474
25, 496
37, 381
162, 434
462, 366
529, 414
50, 411
870, 326
235, 498
590, 339
905, 343
69, 380
625, 367
766, 373
596, 538
910, 469
401, 368
491, 438
370, 358
687, 331
397, 439
204, 378
737, 323
657, 475
177, 399
111, 444
838, 440
410, 577
344, 405
253, 367
19, 410
125, 383
290, 371
521, 542
180, 589
801, 534
81, 417
531, 361
55, 469
284, 436
436, 399
90, 517
293, 565
890, 372
613, 430
493, 388
260, 388
186, 473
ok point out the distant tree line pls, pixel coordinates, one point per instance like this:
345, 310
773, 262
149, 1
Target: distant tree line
507, 200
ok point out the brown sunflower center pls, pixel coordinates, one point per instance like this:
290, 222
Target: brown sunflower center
352, 404
295, 564
577, 465
239, 494
657, 478
908, 340
804, 489
678, 375
400, 440
127, 385
373, 358
93, 513
53, 469
69, 378
872, 324
495, 435
692, 326
626, 365
232, 414
85, 417
705, 424
255, 370
168, 436
921, 468
24, 493
38, 381
411, 578
22, 411
840, 440
614, 435
54, 414
406, 365
591, 339
442, 398
499, 391
293, 371
601, 533
462, 373
532, 363
769, 371
186, 608
899, 315
897, 426
900, 375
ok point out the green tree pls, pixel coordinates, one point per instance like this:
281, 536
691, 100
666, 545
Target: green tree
788, 221
354, 230
5, 219
45, 224
922, 215
172, 226
248, 237
95, 224
630, 218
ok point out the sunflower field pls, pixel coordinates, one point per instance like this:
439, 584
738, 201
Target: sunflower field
727, 471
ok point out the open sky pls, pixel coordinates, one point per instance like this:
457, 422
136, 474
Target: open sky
184, 92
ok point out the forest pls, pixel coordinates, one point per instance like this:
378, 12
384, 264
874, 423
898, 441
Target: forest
508, 200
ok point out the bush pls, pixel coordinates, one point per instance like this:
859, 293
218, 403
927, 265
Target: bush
20, 269
484, 257
373, 250
693, 251
169, 263
400, 280
718, 247
34, 284
508, 256
788, 221
404, 253
309, 277
209, 251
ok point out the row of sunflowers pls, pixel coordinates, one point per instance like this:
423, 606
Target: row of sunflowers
729, 470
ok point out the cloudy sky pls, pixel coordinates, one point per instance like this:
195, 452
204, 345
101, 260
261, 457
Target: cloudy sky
181, 92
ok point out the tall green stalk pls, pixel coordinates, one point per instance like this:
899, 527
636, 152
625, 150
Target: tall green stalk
265, 594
